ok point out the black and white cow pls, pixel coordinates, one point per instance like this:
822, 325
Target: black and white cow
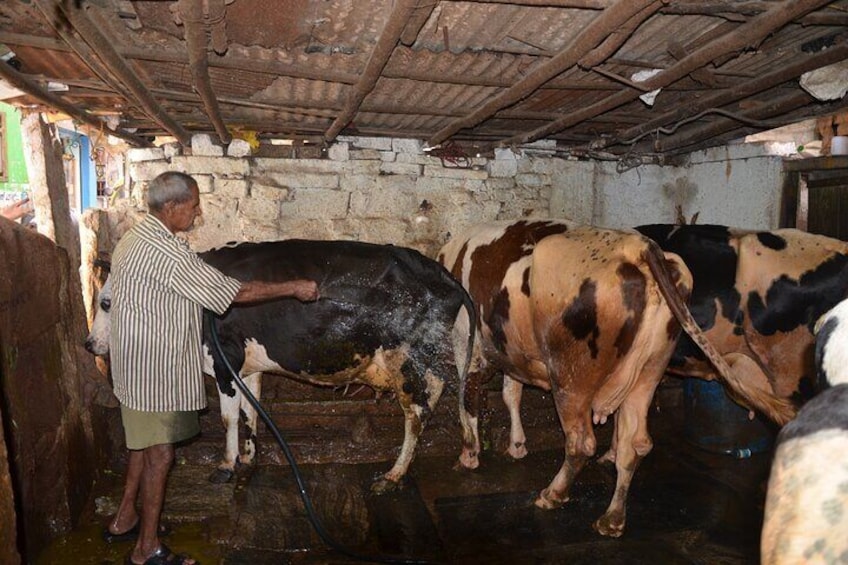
385, 319
806, 512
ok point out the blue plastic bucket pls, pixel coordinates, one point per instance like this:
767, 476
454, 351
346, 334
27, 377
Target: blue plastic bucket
712, 421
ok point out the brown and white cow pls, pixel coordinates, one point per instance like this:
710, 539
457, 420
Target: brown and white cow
592, 315
756, 295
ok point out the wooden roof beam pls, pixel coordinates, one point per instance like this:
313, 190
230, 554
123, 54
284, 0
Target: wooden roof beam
616, 39
103, 46
196, 26
417, 20
71, 43
746, 34
834, 54
589, 38
376, 62
25, 84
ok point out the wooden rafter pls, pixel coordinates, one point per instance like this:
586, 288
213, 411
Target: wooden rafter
780, 105
590, 37
838, 52
25, 84
70, 42
193, 19
744, 35
417, 20
393, 70
376, 62
616, 39
119, 67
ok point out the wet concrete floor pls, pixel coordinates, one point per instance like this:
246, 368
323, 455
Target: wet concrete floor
687, 505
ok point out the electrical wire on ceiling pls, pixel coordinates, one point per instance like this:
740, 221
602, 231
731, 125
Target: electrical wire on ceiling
698, 116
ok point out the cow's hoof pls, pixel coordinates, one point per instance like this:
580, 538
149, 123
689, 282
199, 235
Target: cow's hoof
546, 502
221, 476
517, 451
468, 460
461, 465
607, 458
384, 486
609, 526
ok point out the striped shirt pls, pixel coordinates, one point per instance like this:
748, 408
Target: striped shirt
159, 289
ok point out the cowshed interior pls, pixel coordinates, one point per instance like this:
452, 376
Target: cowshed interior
314, 154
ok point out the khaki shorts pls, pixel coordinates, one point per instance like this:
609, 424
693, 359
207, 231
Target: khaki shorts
144, 429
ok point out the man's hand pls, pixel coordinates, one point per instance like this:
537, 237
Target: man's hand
305, 290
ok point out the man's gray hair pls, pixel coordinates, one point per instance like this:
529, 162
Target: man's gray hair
169, 187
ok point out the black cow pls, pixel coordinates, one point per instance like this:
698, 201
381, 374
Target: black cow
385, 319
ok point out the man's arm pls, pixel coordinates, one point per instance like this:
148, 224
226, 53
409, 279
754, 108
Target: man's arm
257, 291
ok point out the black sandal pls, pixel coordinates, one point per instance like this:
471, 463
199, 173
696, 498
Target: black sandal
162, 556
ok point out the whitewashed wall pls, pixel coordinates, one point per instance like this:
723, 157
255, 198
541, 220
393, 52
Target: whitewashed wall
390, 191
736, 185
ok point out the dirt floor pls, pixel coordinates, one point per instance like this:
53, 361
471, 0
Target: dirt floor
687, 505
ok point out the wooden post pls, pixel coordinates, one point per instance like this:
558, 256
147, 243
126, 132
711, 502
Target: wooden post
8, 519
47, 185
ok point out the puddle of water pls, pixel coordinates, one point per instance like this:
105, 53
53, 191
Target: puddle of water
85, 546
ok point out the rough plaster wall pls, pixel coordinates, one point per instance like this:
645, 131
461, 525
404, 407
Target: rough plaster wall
573, 196
737, 185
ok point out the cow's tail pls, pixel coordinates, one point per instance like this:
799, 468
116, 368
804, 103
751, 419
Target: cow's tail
777, 409
468, 304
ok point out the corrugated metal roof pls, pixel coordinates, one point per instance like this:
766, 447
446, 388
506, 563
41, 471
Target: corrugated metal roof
481, 73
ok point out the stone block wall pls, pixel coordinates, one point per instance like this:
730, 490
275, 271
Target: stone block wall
378, 190
385, 190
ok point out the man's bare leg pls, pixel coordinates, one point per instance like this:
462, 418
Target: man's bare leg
127, 515
157, 463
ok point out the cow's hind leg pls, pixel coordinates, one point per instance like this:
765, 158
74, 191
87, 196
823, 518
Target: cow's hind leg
230, 403
580, 444
253, 382
632, 444
512, 391
469, 410
415, 418
469, 391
